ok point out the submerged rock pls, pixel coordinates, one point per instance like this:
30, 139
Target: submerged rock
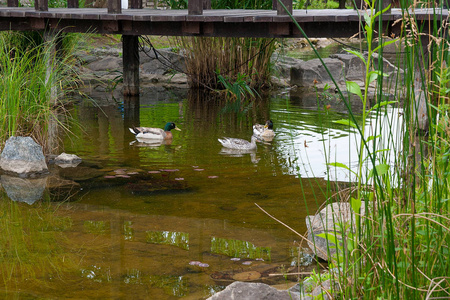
249, 291
65, 160
23, 156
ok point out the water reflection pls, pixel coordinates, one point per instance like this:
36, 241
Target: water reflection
23, 189
143, 213
178, 239
239, 249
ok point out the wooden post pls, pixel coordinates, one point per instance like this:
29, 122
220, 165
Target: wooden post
206, 4
131, 112
13, 3
114, 7
280, 9
135, 4
384, 4
130, 50
195, 7
274, 4
41, 5
72, 4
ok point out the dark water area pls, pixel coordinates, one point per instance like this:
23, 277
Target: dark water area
139, 217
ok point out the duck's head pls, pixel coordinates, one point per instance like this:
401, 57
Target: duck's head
171, 125
269, 124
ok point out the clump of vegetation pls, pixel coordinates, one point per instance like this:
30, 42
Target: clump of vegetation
396, 245
314, 4
37, 76
207, 58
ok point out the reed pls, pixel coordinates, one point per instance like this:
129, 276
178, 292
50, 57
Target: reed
397, 244
36, 79
206, 58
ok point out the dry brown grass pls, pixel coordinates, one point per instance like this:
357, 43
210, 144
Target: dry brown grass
207, 57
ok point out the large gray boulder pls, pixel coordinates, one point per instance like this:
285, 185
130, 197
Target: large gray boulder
22, 156
307, 73
250, 291
166, 61
332, 219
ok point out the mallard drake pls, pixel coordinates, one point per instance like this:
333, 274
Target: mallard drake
238, 144
265, 130
154, 133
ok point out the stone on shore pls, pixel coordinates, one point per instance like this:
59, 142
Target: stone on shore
329, 220
22, 156
250, 291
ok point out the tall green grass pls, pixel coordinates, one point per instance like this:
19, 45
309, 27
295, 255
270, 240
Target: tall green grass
37, 77
396, 246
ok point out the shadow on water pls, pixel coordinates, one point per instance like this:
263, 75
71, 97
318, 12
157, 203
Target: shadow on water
178, 219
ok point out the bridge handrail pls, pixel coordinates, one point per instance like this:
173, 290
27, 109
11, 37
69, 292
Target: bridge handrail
195, 7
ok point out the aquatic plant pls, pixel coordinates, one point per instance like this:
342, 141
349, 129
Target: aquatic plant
207, 58
396, 245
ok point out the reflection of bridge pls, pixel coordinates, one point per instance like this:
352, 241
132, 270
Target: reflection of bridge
197, 20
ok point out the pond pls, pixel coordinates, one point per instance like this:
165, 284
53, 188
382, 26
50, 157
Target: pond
166, 221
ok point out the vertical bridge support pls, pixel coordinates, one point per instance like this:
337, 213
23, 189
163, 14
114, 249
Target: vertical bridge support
130, 56
130, 45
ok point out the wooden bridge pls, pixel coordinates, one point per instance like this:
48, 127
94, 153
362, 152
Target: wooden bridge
197, 20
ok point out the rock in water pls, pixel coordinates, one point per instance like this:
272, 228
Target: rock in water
65, 160
23, 156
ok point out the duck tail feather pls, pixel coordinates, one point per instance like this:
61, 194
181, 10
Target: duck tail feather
133, 131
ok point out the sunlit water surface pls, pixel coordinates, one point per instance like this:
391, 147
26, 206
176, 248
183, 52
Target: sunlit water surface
144, 216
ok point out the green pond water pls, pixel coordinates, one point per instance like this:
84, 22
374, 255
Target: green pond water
128, 222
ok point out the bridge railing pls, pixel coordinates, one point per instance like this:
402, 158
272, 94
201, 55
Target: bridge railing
195, 7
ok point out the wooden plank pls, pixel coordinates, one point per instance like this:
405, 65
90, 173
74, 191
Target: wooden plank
325, 18
233, 19
304, 18
281, 18
5, 13
195, 18
110, 26
142, 18
257, 19
127, 26
166, 18
208, 28
18, 13
37, 24
279, 29
108, 17
124, 17
191, 27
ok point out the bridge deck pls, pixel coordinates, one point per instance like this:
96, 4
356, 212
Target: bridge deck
218, 22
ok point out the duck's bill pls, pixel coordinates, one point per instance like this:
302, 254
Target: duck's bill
176, 128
